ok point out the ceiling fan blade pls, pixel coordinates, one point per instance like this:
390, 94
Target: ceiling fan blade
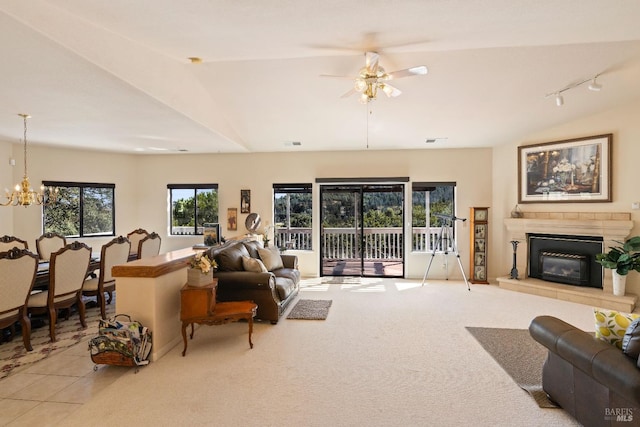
390, 91
371, 59
348, 94
413, 71
337, 77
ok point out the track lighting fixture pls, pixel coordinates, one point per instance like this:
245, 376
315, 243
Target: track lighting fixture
594, 85
557, 95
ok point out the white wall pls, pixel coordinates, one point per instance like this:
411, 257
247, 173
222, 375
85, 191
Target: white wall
6, 181
623, 123
141, 187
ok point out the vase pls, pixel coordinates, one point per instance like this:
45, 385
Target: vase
197, 278
619, 284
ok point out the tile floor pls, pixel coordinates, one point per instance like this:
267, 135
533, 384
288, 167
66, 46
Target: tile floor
46, 392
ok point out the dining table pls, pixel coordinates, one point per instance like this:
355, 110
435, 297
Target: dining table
42, 276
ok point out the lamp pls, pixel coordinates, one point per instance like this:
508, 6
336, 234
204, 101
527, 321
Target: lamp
593, 86
23, 194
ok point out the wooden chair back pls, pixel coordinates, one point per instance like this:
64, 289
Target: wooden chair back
68, 269
116, 252
18, 268
49, 243
10, 242
149, 246
134, 238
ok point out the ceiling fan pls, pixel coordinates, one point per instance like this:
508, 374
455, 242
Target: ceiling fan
373, 77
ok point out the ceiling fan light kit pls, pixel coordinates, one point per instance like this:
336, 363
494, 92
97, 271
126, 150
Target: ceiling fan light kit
373, 77
593, 86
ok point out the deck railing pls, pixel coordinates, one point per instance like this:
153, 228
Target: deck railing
379, 243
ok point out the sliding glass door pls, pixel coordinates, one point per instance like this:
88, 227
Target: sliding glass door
362, 231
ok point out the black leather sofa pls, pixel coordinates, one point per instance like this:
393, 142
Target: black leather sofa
272, 291
591, 379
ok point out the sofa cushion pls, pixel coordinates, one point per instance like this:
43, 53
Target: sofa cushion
289, 273
284, 287
230, 258
252, 247
271, 258
631, 340
611, 325
253, 264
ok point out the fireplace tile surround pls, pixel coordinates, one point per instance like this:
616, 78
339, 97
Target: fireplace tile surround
611, 226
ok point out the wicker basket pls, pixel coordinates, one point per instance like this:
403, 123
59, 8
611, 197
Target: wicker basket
112, 358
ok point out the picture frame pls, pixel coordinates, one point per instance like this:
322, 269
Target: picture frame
232, 219
245, 201
211, 234
572, 170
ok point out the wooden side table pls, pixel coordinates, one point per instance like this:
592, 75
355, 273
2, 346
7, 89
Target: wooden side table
198, 305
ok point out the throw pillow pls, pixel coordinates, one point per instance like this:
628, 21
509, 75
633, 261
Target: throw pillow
631, 340
253, 264
611, 325
271, 258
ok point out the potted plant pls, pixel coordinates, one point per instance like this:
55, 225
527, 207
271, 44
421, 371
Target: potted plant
200, 271
621, 259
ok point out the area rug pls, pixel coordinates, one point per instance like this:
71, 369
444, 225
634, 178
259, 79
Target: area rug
14, 357
310, 309
519, 355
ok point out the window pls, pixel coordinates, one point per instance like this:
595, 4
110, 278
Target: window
432, 203
192, 205
83, 210
292, 213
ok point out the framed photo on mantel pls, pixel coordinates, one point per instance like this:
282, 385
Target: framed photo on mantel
573, 170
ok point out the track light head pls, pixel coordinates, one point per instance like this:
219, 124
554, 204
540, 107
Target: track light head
595, 86
559, 100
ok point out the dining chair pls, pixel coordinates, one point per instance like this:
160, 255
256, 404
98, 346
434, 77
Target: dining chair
149, 246
49, 243
134, 238
10, 242
116, 252
67, 271
18, 268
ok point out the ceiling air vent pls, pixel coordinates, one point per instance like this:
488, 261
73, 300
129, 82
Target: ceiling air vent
434, 140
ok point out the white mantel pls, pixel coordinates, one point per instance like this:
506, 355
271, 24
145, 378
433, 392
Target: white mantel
611, 226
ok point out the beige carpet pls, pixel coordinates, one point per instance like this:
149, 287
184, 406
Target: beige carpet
391, 353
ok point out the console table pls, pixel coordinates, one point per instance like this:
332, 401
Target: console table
198, 305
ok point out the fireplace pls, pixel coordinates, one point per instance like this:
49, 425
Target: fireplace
565, 259
573, 266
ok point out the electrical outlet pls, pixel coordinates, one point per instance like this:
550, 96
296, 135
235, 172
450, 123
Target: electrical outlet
635, 205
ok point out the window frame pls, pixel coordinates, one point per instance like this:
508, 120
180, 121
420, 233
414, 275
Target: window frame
195, 188
82, 186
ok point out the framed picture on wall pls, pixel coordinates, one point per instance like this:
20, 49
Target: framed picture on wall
573, 170
232, 219
245, 201
211, 234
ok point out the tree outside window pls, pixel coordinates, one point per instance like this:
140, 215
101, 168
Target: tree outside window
292, 213
82, 210
192, 206
429, 201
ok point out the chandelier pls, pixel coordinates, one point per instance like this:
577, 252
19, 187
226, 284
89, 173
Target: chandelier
23, 194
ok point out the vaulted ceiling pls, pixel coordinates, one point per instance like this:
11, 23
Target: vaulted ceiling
115, 75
